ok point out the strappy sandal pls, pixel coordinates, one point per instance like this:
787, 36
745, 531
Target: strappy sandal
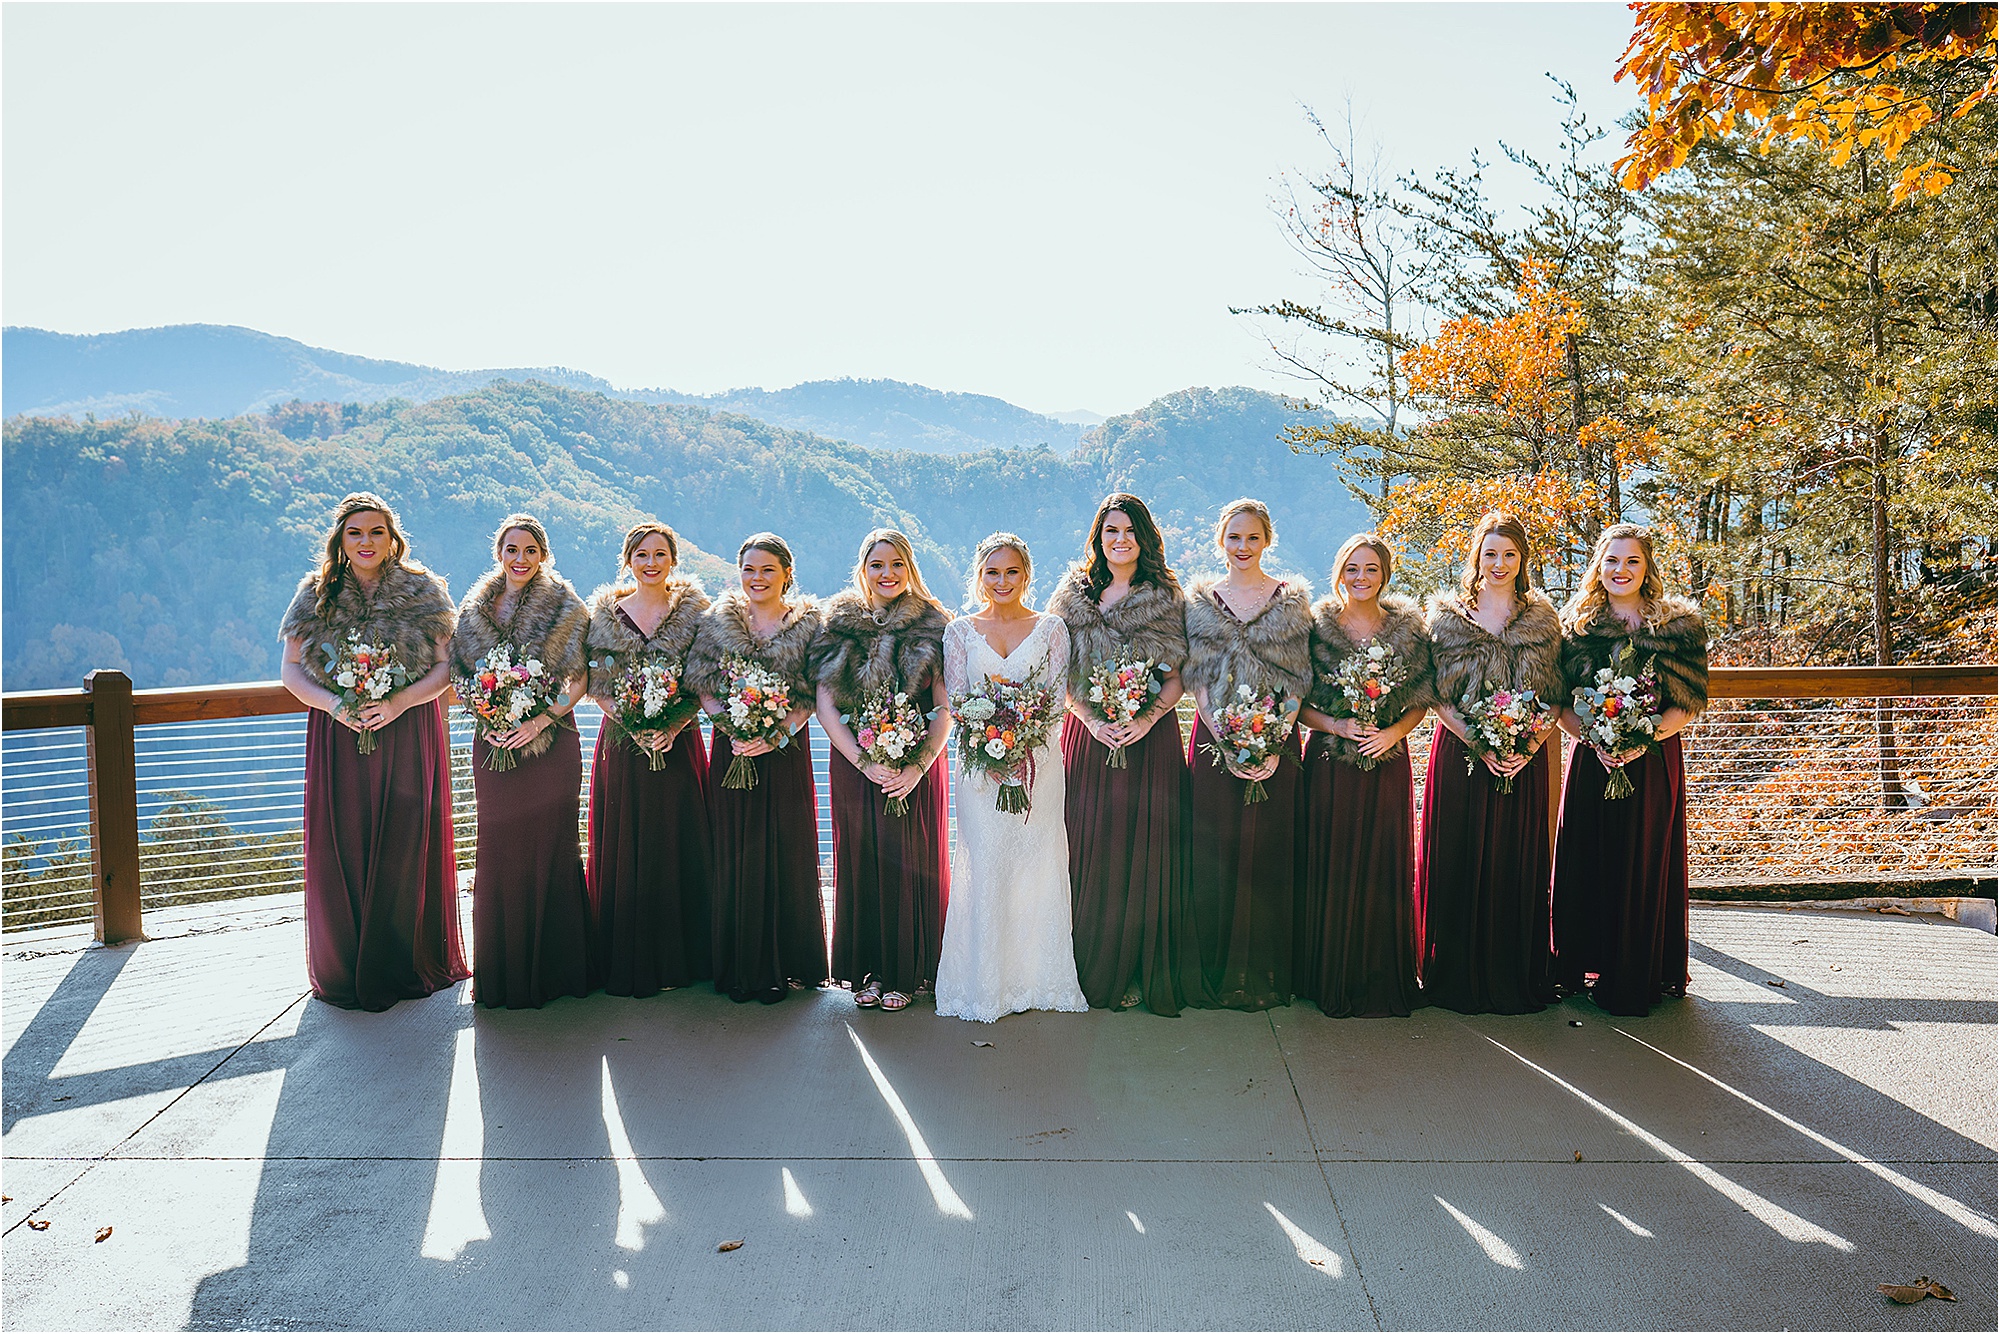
1130, 1000
894, 1000
868, 995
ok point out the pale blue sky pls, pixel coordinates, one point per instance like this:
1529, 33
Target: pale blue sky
1054, 204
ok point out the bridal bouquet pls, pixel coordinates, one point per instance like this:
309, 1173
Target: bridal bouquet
889, 728
501, 694
753, 710
1119, 692
1503, 723
648, 697
1363, 681
365, 674
1001, 723
1620, 708
1249, 729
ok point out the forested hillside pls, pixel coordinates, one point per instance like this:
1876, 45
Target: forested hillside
169, 549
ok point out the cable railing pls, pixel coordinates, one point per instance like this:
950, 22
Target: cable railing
114, 803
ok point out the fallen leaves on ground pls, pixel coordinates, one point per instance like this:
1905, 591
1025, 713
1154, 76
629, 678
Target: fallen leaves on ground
104, 1234
39, 1224
1579, 1155
981, 1042
1916, 1291
729, 1246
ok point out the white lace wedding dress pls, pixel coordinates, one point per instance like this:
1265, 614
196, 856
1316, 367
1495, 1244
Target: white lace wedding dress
1006, 927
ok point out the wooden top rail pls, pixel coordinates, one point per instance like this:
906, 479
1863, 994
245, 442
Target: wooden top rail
1853, 682
30, 709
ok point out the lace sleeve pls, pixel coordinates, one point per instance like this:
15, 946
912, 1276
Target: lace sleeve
1056, 660
954, 655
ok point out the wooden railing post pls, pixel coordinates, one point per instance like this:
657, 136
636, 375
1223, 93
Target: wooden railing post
114, 808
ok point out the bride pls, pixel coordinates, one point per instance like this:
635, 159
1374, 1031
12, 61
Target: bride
1006, 929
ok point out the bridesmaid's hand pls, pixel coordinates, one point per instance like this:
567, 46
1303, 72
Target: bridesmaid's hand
348, 720
1258, 774
522, 735
1354, 729
1512, 765
881, 775
1377, 743
1116, 734
1138, 728
654, 740
903, 781
1494, 765
757, 747
378, 715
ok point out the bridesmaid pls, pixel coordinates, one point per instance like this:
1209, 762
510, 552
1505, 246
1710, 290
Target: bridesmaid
1484, 866
770, 930
1246, 628
381, 879
648, 870
1621, 890
1131, 922
1357, 951
891, 873
531, 934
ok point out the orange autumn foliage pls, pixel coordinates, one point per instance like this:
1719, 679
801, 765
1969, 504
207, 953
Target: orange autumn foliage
1818, 73
1440, 513
1513, 366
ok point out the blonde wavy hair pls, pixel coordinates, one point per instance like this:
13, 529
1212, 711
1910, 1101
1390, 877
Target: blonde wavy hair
901, 546
1591, 598
1245, 505
992, 543
1347, 549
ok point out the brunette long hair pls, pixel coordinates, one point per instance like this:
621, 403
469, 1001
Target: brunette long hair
1491, 524
777, 546
1153, 568
333, 564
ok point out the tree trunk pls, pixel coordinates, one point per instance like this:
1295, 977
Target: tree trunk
1878, 514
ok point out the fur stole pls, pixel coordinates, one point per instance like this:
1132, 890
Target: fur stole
1272, 651
1526, 654
1402, 633
1148, 622
410, 609
613, 644
855, 656
1676, 640
549, 621
725, 633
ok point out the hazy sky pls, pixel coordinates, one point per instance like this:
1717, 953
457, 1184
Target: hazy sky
1054, 204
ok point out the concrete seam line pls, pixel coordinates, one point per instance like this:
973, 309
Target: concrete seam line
1312, 1140
140, 1128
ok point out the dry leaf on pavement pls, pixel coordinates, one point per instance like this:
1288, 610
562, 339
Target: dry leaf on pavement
104, 1234
39, 1224
729, 1246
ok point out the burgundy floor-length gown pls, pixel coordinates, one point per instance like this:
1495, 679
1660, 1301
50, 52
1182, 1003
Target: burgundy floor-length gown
891, 879
769, 925
1132, 906
381, 877
1244, 872
531, 930
1621, 882
648, 872
1483, 885
1357, 934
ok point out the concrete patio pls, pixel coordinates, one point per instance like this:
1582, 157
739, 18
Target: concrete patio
1758, 1156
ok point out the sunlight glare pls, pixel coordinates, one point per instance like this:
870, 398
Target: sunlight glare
1498, 1251
795, 1199
948, 1202
638, 1206
1309, 1247
458, 1218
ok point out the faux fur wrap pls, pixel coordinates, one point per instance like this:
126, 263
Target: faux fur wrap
1148, 622
854, 656
1676, 639
613, 643
549, 621
1402, 633
1271, 651
410, 609
725, 633
1527, 653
